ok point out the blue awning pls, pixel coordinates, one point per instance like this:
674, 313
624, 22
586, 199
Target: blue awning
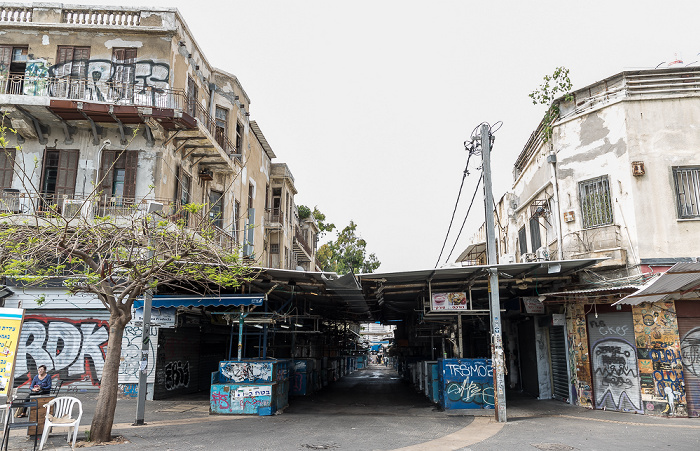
224, 300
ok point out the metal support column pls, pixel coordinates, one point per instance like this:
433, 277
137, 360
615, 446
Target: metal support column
143, 364
494, 301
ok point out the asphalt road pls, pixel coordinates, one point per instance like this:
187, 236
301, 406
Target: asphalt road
374, 409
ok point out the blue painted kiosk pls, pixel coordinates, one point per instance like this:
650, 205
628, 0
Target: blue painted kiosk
466, 384
253, 386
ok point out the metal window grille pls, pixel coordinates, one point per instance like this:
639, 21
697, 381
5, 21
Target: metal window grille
274, 248
687, 191
596, 207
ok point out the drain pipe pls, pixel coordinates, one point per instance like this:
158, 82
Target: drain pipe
552, 159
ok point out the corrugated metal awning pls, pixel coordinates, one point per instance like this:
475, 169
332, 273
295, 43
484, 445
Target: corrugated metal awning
673, 284
224, 300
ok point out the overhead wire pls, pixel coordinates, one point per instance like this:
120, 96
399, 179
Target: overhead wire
476, 190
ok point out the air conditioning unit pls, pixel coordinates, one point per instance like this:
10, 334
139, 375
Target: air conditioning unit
542, 254
527, 258
506, 259
74, 208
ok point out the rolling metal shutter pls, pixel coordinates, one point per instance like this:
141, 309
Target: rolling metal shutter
689, 332
560, 373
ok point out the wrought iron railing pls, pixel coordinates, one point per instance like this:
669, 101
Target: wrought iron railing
14, 202
82, 89
197, 110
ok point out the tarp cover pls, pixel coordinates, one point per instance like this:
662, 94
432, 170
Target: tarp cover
224, 300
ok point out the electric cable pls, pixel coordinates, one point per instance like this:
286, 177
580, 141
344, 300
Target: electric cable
464, 176
476, 190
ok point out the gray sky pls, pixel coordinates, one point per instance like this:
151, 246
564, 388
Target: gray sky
369, 102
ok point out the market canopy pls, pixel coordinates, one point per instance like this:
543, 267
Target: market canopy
222, 300
679, 280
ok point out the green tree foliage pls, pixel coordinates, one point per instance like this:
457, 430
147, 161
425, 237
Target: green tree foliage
347, 253
323, 226
555, 85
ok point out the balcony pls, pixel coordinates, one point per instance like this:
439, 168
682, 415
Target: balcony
597, 242
18, 205
274, 218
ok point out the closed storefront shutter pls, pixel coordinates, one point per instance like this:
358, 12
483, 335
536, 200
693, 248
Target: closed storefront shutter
613, 356
689, 332
560, 374
71, 343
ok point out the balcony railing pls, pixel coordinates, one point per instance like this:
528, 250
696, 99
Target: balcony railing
301, 240
80, 89
195, 109
14, 202
274, 216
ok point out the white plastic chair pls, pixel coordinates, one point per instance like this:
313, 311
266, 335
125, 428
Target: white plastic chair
62, 416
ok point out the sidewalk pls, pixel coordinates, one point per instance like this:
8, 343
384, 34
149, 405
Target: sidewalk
373, 409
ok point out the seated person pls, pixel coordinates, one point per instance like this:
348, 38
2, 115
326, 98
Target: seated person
41, 385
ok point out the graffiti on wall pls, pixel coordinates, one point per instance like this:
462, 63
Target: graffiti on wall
581, 381
146, 73
131, 353
616, 382
75, 349
177, 375
242, 399
130, 390
247, 371
468, 384
659, 359
690, 351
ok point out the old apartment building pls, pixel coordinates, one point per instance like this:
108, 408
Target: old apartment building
618, 179
123, 101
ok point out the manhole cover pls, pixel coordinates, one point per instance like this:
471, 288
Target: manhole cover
321, 446
552, 446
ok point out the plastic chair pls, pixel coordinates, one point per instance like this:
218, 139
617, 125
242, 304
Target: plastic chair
62, 416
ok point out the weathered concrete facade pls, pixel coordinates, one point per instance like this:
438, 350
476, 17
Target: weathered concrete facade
123, 102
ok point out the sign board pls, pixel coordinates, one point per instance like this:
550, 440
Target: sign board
558, 319
163, 317
533, 305
10, 328
449, 301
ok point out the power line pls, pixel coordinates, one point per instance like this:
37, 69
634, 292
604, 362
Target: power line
470, 147
476, 190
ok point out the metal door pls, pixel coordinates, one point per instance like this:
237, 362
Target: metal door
689, 332
560, 373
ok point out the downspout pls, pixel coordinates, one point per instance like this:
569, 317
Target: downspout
552, 159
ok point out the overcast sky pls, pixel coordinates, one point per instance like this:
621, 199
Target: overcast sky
369, 102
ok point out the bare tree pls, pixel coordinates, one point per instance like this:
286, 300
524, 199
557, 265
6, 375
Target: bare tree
115, 251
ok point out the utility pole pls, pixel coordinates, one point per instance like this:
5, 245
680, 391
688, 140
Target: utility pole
143, 364
499, 385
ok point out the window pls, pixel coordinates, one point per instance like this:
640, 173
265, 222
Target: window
239, 138
7, 168
236, 215
687, 180
596, 208
59, 174
13, 63
221, 126
123, 74
522, 240
118, 175
71, 62
70, 71
192, 95
274, 248
251, 195
535, 238
216, 208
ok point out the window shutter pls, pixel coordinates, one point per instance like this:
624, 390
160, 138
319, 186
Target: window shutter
67, 172
132, 162
7, 164
107, 173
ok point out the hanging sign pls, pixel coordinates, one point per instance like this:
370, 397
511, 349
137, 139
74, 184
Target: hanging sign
533, 305
449, 301
163, 317
10, 328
